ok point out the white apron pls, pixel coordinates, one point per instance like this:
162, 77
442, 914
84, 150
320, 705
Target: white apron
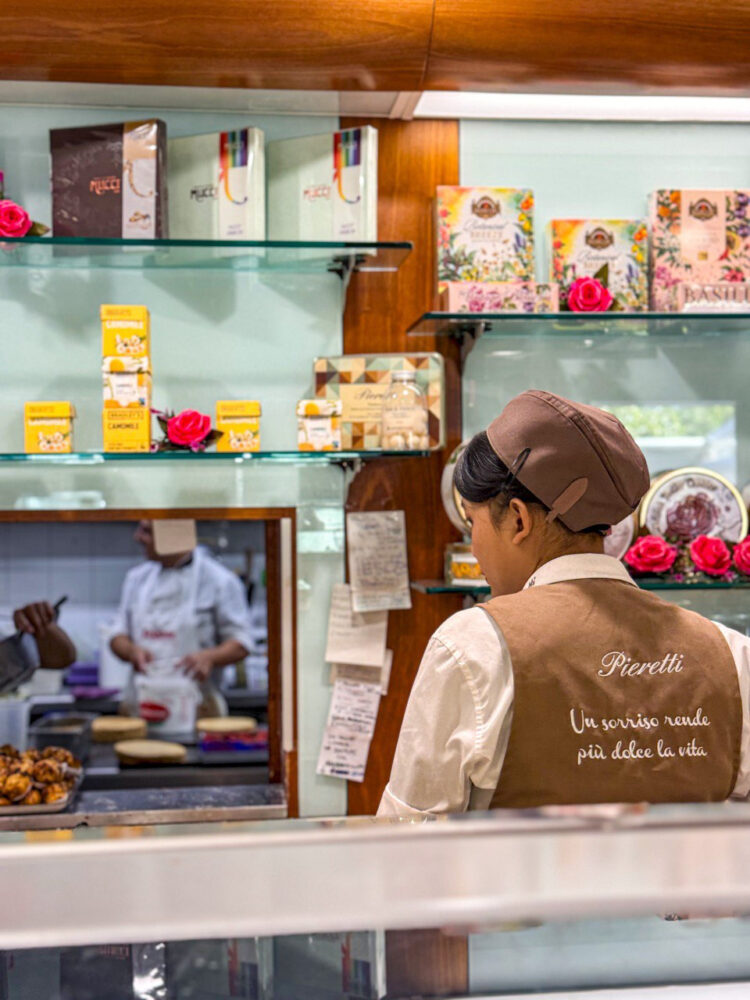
168, 627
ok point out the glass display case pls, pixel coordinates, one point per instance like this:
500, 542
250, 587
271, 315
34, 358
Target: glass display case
544, 902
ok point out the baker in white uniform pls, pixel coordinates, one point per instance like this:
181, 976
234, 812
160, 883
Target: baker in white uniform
571, 685
185, 609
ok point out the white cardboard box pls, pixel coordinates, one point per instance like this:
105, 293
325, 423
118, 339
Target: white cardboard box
217, 186
324, 187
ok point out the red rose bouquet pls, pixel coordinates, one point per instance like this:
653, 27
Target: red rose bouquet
689, 559
711, 555
651, 554
587, 295
14, 220
188, 430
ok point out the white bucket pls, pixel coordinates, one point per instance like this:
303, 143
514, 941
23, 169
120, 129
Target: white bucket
168, 704
14, 722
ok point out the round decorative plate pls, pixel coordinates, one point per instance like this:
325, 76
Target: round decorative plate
690, 502
452, 502
621, 537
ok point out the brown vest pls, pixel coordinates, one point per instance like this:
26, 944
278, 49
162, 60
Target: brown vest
618, 697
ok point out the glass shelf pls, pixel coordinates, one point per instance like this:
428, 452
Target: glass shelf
440, 587
280, 457
233, 255
459, 325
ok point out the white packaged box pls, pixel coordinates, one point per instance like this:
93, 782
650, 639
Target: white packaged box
324, 187
216, 185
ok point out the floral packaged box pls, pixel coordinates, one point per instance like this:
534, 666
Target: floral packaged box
362, 381
697, 236
238, 421
721, 296
614, 251
110, 181
484, 234
500, 296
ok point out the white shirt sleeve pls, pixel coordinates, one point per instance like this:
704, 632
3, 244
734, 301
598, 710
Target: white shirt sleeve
457, 722
739, 645
232, 613
123, 621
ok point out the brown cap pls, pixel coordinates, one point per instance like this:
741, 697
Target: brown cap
578, 460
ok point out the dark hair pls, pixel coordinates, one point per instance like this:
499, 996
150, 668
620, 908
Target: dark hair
480, 477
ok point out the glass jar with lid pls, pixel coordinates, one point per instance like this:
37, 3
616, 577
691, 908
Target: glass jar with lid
405, 417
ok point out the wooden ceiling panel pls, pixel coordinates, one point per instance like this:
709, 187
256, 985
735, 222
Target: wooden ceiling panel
694, 46
270, 44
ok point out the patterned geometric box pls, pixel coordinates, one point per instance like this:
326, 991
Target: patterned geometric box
361, 382
700, 237
580, 248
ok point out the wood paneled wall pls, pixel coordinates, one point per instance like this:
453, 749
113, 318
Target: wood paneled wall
414, 157
688, 46
293, 44
696, 46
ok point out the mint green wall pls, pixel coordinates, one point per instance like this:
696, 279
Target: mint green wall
215, 335
606, 170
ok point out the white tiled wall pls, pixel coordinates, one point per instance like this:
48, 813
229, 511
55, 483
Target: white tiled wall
87, 562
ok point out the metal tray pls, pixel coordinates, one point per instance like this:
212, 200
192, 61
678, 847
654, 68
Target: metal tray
18, 809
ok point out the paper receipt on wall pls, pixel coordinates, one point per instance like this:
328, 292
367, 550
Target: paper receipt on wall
349, 729
378, 567
354, 637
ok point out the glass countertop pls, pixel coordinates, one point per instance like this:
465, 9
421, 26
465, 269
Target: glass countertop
279, 457
233, 255
440, 587
574, 324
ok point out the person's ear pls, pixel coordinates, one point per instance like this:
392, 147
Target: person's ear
521, 520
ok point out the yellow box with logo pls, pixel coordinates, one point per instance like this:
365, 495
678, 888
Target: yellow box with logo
48, 427
239, 423
121, 390
126, 338
127, 429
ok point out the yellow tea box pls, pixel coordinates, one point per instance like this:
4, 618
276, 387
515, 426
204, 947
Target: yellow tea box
122, 390
239, 423
319, 424
127, 429
48, 427
126, 339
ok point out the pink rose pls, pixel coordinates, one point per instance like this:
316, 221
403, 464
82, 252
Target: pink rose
13, 220
589, 295
710, 555
188, 428
742, 556
734, 276
651, 554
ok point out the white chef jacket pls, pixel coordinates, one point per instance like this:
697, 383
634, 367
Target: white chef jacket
457, 723
222, 608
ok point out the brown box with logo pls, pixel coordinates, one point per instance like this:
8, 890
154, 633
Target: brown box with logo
109, 181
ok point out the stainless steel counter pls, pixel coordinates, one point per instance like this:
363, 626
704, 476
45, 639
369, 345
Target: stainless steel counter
148, 806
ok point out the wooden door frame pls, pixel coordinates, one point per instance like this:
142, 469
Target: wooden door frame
281, 589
